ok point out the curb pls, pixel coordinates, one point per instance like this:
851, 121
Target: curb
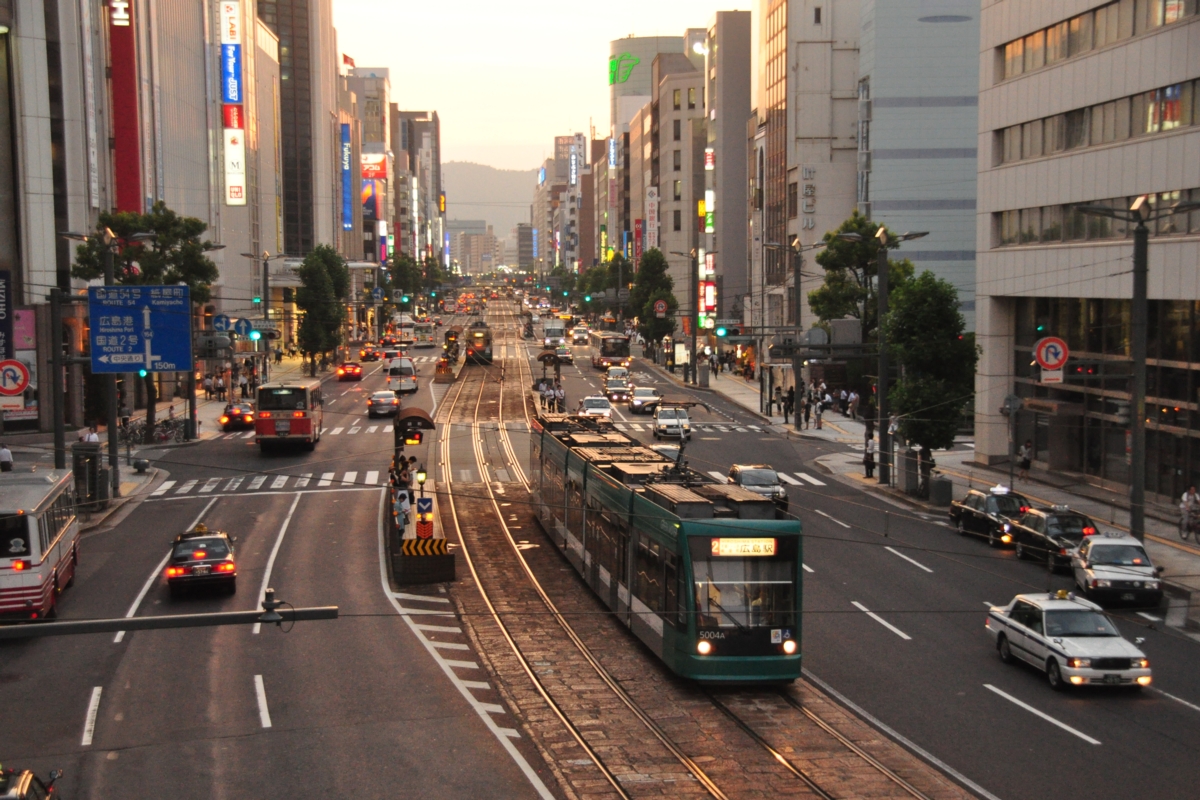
157, 476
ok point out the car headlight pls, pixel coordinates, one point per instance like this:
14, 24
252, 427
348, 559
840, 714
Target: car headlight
780, 491
1152, 584
1140, 663
1079, 663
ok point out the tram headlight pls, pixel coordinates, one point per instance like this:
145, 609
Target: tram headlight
789, 647
704, 647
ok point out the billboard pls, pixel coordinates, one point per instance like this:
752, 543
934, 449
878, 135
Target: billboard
374, 166
233, 100
347, 180
126, 128
637, 240
370, 200
650, 228
23, 348
235, 167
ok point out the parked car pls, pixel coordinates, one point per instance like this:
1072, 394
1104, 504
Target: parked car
985, 513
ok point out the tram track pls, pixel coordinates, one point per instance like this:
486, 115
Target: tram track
819, 771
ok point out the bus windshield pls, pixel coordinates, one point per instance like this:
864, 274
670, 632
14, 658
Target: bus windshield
282, 398
615, 346
754, 591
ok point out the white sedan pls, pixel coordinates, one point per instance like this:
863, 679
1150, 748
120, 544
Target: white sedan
595, 406
1068, 638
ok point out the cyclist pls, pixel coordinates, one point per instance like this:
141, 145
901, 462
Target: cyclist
1189, 510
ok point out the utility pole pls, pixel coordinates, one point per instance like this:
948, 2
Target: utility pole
114, 456
57, 401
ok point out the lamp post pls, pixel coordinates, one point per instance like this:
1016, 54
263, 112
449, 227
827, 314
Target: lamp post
1139, 213
421, 476
881, 277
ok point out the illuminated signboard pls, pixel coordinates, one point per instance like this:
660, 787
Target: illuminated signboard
621, 67
374, 166
541, 176
235, 167
743, 547
638, 232
370, 200
233, 98
612, 153
708, 296
710, 159
535, 242
574, 170
347, 182
650, 228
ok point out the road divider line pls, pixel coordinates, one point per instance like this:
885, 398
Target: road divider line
788, 479
89, 722
826, 516
425, 597
264, 715
1180, 700
896, 552
1042, 714
811, 479
881, 621
157, 573
262, 591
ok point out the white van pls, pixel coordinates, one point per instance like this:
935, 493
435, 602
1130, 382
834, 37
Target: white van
402, 376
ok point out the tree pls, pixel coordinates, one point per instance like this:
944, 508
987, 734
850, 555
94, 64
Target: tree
927, 337
324, 287
849, 268
653, 283
649, 325
175, 254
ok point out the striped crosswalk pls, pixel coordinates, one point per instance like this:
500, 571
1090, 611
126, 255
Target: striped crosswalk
719, 427
342, 430
259, 483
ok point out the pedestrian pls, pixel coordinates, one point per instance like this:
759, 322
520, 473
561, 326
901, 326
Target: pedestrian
1025, 459
843, 402
806, 406
6, 459
560, 399
787, 408
220, 386
776, 399
869, 458
548, 398
820, 410
278, 355
244, 385
171, 412
854, 400
92, 435
208, 387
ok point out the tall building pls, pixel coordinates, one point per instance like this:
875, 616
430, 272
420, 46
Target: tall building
1066, 121
476, 251
524, 237
372, 87
308, 62
630, 77
548, 195
349, 232
418, 134
917, 123
456, 226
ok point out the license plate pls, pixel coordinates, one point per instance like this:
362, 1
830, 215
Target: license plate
203, 569
283, 426
1112, 678
1128, 596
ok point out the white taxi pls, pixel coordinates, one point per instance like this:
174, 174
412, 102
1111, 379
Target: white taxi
1069, 638
1113, 569
595, 406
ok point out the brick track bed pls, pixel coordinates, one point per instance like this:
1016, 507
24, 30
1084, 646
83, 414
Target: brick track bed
684, 710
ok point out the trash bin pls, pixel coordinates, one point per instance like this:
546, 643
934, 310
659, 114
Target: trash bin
941, 490
86, 463
703, 375
910, 479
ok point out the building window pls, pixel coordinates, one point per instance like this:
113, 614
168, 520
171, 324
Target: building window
677, 218
1056, 224
793, 200
678, 190
677, 129
817, 15
678, 160
692, 97
676, 98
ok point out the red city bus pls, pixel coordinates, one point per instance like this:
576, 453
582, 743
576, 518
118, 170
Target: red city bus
289, 412
40, 535
610, 349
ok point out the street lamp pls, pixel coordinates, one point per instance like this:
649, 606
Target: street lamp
421, 476
881, 277
1139, 213
798, 249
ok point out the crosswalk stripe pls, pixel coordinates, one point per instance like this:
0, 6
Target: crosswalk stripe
372, 478
234, 483
637, 426
249, 435
741, 430
161, 490
353, 430
302, 481
372, 429
348, 478
717, 475
387, 428
783, 476
755, 428
810, 479
335, 431
187, 487
257, 483
279, 482
210, 485
326, 479
621, 426
722, 428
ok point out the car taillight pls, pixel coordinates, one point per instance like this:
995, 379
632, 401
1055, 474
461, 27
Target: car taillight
224, 420
341, 371
249, 418
264, 415
20, 565
1089, 531
199, 554
1024, 509
175, 572
226, 567
296, 414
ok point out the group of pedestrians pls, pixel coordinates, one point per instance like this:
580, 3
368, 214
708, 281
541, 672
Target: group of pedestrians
554, 397
402, 491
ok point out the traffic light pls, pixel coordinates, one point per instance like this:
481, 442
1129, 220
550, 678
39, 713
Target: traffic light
257, 300
564, 293
412, 438
728, 330
587, 298
433, 294
404, 299
720, 331
255, 335
141, 373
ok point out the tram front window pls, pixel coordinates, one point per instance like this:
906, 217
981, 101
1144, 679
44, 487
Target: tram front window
744, 583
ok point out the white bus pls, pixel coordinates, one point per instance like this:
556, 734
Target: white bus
39, 542
404, 325
423, 334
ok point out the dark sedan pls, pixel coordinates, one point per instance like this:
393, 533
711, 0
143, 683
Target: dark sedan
1050, 534
237, 417
985, 514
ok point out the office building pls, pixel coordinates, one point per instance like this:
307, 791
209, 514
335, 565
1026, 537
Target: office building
524, 237
418, 135
372, 88
630, 74
1088, 104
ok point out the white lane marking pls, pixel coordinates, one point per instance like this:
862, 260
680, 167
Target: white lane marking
336, 431
1041, 714
349, 478
755, 428
503, 735
637, 426
249, 434
372, 478
353, 430
807, 568
89, 722
187, 487
718, 476
621, 426
838, 521
722, 428
449, 645
210, 485
881, 621
439, 628
264, 715
279, 482
257, 483
302, 481
157, 573
234, 483
741, 430
896, 552
811, 479
1150, 617
783, 476
262, 591
427, 598
896, 735
1192, 706
161, 490
372, 429
326, 479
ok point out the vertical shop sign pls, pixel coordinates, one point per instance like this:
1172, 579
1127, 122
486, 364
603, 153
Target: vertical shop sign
637, 240
233, 101
347, 186
651, 224
126, 129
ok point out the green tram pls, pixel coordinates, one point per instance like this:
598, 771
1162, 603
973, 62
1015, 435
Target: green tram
700, 571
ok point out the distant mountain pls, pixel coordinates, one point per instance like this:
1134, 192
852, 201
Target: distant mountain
500, 196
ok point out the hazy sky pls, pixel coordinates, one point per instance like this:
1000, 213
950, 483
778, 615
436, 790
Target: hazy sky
506, 77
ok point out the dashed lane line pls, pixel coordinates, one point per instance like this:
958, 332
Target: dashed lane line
882, 621
1042, 714
896, 552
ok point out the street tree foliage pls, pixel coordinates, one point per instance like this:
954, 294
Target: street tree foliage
604, 277
926, 335
850, 267
176, 254
324, 288
651, 284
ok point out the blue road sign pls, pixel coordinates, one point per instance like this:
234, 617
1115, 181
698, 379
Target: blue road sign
221, 323
424, 505
377, 293
140, 327
243, 327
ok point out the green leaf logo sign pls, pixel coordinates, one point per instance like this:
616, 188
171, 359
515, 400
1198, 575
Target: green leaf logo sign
621, 67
